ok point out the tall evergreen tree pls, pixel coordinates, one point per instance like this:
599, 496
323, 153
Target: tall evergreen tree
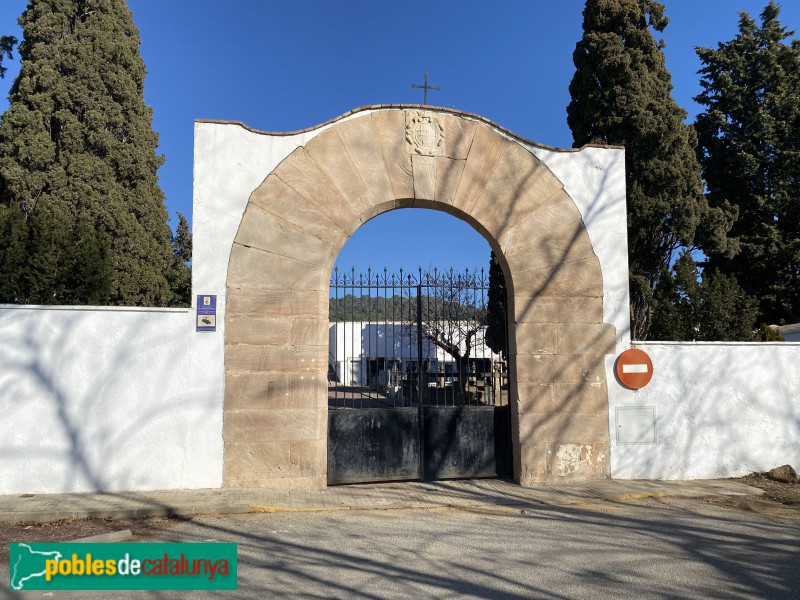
707, 306
749, 148
7, 43
78, 164
181, 274
622, 95
496, 309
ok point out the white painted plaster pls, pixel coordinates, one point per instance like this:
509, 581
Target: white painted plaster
107, 399
722, 410
230, 162
595, 180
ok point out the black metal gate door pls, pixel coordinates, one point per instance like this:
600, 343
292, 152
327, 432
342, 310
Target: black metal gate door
414, 389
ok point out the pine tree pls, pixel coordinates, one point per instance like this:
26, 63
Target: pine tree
749, 148
78, 164
622, 95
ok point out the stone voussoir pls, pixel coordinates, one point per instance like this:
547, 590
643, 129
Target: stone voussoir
275, 425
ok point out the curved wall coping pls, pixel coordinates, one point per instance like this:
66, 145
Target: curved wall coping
427, 107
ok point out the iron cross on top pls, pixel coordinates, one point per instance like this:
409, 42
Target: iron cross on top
425, 87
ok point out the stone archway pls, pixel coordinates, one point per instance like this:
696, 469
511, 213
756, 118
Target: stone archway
295, 224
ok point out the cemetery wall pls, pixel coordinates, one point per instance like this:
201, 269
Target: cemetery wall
132, 399
721, 410
107, 399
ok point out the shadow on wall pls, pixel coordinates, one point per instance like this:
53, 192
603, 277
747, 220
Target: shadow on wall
572, 402
722, 410
95, 400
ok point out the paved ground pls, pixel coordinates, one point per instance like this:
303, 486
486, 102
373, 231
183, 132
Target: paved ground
463, 493
637, 544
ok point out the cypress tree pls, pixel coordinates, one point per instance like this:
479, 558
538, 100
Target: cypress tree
622, 95
181, 273
749, 148
78, 164
7, 43
496, 309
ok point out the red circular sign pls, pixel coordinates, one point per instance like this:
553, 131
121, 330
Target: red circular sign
634, 369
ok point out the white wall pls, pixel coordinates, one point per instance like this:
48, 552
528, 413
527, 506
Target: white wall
722, 410
107, 399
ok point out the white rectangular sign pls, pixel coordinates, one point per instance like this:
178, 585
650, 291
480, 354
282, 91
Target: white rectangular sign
634, 368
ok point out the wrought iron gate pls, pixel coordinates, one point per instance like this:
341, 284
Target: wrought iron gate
414, 390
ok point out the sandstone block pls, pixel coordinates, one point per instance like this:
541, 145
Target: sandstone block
264, 231
276, 303
256, 464
539, 338
280, 359
304, 176
549, 216
448, 175
540, 427
359, 137
486, 150
581, 428
390, 127
458, 135
271, 390
424, 176
560, 368
557, 309
518, 185
553, 462
278, 425
330, 153
535, 461
581, 461
310, 457
551, 249
576, 278
257, 330
282, 201
251, 268
578, 338
580, 397
534, 397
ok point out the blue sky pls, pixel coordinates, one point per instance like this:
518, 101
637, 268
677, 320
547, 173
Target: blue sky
287, 65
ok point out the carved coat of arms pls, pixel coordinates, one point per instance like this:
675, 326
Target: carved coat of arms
424, 133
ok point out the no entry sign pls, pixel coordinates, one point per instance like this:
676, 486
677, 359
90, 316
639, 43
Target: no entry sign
634, 368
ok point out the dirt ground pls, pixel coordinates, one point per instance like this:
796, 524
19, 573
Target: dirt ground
781, 502
69, 530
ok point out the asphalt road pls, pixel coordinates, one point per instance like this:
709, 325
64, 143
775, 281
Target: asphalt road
646, 549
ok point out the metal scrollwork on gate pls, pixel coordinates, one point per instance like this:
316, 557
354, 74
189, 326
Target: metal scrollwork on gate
405, 337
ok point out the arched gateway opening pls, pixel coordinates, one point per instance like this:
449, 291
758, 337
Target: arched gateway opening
295, 224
